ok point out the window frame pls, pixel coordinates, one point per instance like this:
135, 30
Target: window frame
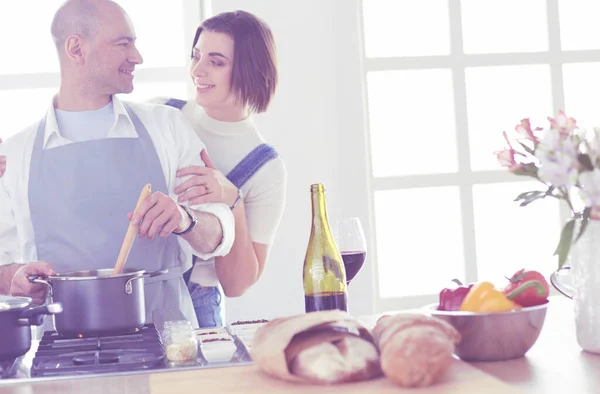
465, 178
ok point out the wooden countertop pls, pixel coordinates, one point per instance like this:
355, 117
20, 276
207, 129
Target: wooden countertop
555, 364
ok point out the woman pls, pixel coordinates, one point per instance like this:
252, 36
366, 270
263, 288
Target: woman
235, 73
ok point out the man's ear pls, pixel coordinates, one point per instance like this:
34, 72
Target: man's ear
74, 49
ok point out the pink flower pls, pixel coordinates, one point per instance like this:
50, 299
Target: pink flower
563, 124
524, 128
506, 157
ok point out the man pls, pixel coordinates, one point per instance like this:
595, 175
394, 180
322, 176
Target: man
78, 172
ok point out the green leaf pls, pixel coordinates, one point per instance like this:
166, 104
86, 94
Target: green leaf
564, 245
527, 149
526, 169
525, 195
584, 222
529, 197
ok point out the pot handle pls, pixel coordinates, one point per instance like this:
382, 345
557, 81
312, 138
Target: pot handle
36, 279
564, 288
152, 274
35, 316
128, 286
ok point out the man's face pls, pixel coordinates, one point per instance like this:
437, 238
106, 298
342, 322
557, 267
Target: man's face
111, 56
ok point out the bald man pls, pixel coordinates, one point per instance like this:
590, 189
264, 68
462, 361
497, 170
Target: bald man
66, 203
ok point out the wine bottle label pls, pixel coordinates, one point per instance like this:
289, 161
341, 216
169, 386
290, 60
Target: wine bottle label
317, 272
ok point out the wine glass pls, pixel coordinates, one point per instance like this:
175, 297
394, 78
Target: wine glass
352, 245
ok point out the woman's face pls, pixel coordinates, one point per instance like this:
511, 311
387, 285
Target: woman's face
212, 65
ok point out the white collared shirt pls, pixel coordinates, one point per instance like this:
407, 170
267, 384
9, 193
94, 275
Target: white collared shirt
177, 146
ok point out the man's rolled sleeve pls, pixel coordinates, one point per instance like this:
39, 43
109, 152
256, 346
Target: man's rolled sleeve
189, 147
9, 239
223, 213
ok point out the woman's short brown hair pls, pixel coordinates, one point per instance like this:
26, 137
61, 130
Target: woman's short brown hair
254, 73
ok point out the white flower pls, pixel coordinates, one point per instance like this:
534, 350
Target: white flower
594, 145
557, 156
589, 187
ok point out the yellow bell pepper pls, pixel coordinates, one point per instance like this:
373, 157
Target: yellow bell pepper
483, 297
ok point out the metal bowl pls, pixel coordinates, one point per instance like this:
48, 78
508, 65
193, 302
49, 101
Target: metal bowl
494, 336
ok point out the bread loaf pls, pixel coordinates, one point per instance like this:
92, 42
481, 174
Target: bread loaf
415, 349
345, 360
319, 347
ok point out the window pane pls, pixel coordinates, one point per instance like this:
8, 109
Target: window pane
419, 240
497, 99
159, 27
146, 90
17, 116
160, 47
510, 237
401, 104
392, 25
579, 24
581, 81
27, 23
504, 26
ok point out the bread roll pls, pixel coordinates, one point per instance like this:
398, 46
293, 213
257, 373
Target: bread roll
346, 360
415, 349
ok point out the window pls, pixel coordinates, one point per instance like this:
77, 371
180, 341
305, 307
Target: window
165, 30
443, 79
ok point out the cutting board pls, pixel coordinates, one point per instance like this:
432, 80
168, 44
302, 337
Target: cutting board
460, 378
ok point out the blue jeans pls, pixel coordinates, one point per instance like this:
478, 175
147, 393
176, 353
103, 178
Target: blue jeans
207, 304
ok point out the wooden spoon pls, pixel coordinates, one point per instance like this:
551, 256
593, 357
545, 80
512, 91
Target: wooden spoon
130, 235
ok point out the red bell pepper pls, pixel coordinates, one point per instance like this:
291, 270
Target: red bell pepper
451, 299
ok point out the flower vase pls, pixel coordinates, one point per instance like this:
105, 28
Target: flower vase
585, 266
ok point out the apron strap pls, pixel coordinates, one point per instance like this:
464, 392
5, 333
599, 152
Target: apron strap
250, 164
176, 103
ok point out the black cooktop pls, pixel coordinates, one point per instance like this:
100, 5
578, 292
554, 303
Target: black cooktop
8, 368
57, 356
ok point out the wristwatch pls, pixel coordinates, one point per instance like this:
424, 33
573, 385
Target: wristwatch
237, 200
193, 221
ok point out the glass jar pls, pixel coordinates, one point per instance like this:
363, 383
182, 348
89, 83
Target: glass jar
181, 345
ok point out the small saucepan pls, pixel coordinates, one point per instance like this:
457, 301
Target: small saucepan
98, 303
17, 315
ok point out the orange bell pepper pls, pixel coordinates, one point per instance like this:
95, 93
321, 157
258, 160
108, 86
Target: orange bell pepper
483, 297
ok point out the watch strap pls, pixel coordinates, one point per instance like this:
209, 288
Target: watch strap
193, 221
240, 196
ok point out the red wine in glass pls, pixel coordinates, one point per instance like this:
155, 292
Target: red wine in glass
353, 262
352, 245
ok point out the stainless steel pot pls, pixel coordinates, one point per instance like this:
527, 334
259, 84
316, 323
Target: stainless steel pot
98, 303
16, 318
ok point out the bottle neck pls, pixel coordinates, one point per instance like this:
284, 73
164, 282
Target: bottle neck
319, 210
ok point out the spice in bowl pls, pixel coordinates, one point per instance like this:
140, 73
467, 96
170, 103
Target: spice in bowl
217, 348
180, 342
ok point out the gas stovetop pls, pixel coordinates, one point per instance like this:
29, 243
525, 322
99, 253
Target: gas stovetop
8, 368
57, 356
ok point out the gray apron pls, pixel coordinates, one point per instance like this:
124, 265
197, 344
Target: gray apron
79, 198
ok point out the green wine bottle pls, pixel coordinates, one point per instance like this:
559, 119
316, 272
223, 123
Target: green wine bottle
324, 274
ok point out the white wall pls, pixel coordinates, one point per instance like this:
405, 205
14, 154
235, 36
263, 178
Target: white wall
316, 123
